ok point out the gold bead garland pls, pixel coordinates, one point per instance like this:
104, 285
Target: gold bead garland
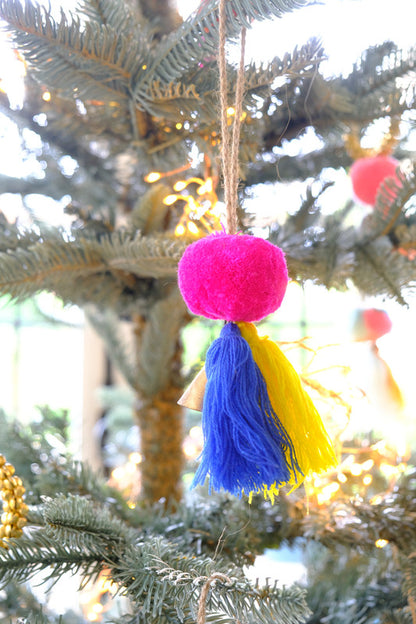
14, 509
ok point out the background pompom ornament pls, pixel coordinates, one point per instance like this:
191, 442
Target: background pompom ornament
382, 389
371, 324
233, 277
369, 172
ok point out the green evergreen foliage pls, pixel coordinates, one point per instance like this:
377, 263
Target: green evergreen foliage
121, 267
151, 551
354, 587
81, 535
134, 88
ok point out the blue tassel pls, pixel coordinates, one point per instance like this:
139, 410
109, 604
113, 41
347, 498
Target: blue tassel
244, 441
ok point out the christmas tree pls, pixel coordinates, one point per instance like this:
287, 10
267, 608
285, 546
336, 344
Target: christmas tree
127, 93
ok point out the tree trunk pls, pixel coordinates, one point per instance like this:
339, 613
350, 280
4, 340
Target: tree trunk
161, 428
159, 386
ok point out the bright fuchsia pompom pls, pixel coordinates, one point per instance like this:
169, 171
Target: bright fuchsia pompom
233, 277
368, 173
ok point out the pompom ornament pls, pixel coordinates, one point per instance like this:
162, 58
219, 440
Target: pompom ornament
371, 324
261, 430
378, 382
368, 173
233, 277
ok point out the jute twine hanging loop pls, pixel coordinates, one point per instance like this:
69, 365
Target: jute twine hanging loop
230, 141
229, 157
202, 606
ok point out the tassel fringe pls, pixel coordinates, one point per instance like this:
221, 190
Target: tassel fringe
246, 446
297, 414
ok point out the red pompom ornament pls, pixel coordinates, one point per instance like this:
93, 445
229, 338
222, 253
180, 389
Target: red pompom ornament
368, 173
234, 277
371, 324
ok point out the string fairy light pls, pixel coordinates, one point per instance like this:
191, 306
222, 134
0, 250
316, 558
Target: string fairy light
356, 476
155, 176
364, 468
126, 478
97, 597
201, 214
201, 211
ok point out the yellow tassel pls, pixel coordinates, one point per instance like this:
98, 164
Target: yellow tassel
293, 406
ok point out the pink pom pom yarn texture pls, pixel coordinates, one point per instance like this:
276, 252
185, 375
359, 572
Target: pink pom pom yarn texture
368, 173
233, 277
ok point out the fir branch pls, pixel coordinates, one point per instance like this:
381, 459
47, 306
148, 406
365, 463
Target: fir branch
308, 214
409, 572
359, 524
31, 449
207, 526
18, 604
330, 253
383, 101
44, 472
82, 480
336, 249
169, 616
318, 248
158, 577
28, 556
60, 262
287, 168
347, 588
154, 257
201, 92
149, 214
324, 103
13, 237
299, 62
81, 523
96, 63
26, 186
161, 573
397, 616
381, 270
381, 84
379, 68
309, 100
197, 38
114, 13
78, 479
66, 132
167, 99
392, 198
